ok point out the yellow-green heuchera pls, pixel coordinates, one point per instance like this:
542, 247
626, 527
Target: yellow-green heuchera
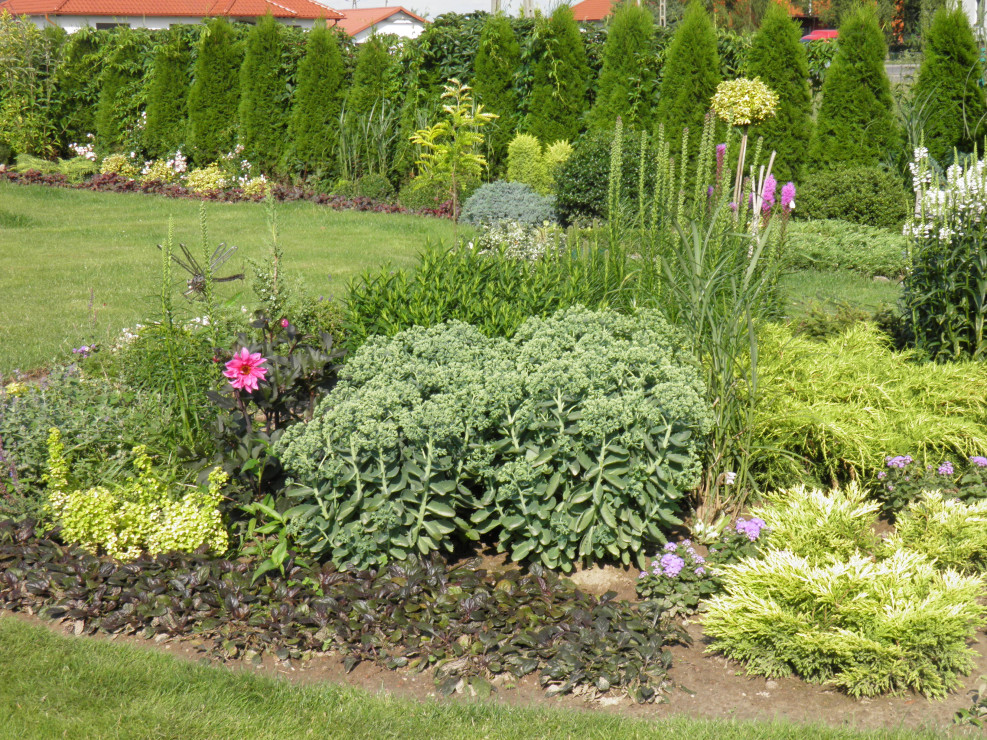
142, 515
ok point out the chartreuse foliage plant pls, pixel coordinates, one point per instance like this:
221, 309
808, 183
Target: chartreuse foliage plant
538, 167
262, 114
778, 58
215, 93
944, 529
498, 59
627, 83
832, 411
314, 124
826, 602
576, 440
167, 98
856, 123
141, 515
560, 81
948, 85
690, 76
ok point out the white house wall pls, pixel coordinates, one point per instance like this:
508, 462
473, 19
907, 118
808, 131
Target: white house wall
398, 24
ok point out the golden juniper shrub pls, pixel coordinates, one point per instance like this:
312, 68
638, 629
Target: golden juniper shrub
207, 179
951, 532
744, 101
142, 515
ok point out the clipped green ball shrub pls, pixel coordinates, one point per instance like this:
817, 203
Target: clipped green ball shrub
375, 186
863, 195
577, 440
507, 201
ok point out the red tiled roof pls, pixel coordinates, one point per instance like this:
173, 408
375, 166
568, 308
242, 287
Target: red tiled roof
593, 10
355, 21
301, 9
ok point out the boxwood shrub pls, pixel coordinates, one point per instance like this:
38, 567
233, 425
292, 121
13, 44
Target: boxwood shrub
864, 195
576, 440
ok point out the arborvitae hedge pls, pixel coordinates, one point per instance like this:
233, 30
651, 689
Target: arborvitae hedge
373, 78
314, 126
779, 59
215, 94
856, 123
120, 91
262, 112
497, 61
561, 76
948, 86
690, 76
167, 99
627, 81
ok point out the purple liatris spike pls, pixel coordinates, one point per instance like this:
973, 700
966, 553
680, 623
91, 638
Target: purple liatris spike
768, 194
788, 196
721, 153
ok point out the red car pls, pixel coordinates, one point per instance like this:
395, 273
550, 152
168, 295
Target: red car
821, 34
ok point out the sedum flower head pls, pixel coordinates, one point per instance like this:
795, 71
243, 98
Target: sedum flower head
744, 101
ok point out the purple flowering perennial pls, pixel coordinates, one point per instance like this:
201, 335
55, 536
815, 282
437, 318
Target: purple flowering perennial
672, 565
946, 468
750, 527
788, 196
980, 462
898, 462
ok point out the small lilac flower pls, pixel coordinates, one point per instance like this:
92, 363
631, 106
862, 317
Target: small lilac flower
643, 575
980, 462
672, 565
700, 571
698, 559
882, 475
670, 547
788, 197
750, 527
709, 191
946, 468
898, 462
686, 543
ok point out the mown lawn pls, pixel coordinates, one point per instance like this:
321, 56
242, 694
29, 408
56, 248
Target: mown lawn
59, 246
58, 687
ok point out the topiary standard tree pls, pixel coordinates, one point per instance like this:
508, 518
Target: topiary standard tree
215, 94
627, 80
779, 59
167, 99
948, 85
313, 131
495, 68
561, 74
856, 123
690, 77
262, 112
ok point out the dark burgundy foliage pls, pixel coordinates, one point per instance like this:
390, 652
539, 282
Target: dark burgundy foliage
465, 624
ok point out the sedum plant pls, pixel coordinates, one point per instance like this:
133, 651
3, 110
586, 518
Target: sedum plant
142, 515
576, 440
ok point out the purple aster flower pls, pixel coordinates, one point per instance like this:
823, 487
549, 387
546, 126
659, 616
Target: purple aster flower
698, 559
788, 197
672, 565
882, 475
670, 547
980, 462
750, 527
898, 462
700, 571
946, 468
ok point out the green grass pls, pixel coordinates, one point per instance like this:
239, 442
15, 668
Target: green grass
54, 686
57, 245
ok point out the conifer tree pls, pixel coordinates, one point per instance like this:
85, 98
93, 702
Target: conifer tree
627, 80
495, 68
215, 94
856, 123
559, 89
373, 78
120, 78
948, 87
779, 59
690, 77
167, 99
262, 113
314, 125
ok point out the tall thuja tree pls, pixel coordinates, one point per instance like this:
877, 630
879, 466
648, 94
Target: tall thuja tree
167, 98
627, 82
262, 114
313, 130
371, 116
856, 123
690, 76
121, 94
215, 93
779, 59
560, 79
948, 85
496, 66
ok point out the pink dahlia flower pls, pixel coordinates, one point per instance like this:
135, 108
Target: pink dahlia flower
244, 370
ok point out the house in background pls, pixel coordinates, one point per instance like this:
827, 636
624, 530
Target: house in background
361, 24
157, 14
593, 11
